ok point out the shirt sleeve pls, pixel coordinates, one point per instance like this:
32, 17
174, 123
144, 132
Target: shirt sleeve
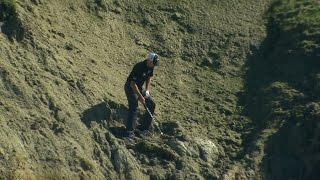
134, 74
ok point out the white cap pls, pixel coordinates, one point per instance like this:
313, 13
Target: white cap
154, 58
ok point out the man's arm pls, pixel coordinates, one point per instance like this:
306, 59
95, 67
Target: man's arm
148, 82
136, 90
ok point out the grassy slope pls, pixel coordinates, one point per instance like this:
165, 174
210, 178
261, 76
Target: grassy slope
282, 92
73, 58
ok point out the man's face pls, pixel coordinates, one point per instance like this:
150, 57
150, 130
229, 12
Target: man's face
150, 64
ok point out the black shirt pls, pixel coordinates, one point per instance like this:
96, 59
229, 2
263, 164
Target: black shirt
140, 73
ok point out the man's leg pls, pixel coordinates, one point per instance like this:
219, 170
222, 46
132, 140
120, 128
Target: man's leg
133, 107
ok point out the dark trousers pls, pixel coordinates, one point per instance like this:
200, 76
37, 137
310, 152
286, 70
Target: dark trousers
133, 109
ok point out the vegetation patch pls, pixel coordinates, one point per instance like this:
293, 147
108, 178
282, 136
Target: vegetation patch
87, 165
7, 9
153, 150
12, 25
97, 5
298, 25
282, 90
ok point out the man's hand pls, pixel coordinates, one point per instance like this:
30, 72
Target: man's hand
142, 100
147, 94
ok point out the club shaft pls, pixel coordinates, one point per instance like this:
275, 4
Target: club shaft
156, 123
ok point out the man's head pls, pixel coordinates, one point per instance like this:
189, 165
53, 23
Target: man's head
152, 60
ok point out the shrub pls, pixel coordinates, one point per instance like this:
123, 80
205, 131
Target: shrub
299, 24
7, 9
12, 25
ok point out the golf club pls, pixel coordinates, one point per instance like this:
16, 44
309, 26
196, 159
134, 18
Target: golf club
154, 120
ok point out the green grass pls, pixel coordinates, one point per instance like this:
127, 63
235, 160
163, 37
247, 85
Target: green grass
299, 19
283, 90
75, 57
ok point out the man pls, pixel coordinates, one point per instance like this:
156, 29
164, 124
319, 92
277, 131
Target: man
141, 74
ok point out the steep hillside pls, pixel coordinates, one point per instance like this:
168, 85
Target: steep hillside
236, 98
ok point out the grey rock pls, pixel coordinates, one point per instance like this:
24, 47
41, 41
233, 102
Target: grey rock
125, 164
177, 16
148, 20
178, 146
207, 149
117, 10
193, 152
123, 161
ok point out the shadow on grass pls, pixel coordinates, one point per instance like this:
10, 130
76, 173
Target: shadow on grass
97, 113
109, 114
119, 132
10, 24
282, 86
